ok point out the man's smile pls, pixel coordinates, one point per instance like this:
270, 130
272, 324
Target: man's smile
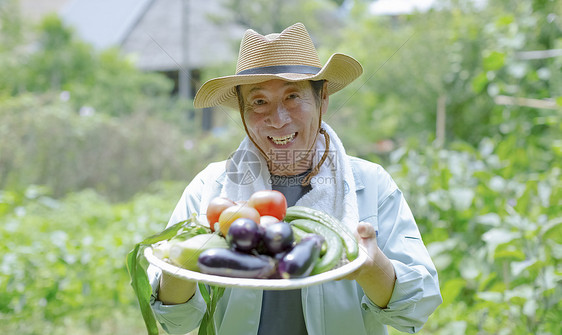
283, 139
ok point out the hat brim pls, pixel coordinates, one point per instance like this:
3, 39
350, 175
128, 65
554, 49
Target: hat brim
339, 71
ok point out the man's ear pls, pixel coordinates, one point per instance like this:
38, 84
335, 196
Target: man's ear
325, 97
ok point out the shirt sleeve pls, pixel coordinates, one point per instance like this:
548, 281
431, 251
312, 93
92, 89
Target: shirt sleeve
416, 291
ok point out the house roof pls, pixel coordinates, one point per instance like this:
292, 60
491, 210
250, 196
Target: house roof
156, 31
103, 23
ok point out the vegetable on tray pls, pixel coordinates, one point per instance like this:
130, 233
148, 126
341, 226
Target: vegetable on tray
260, 238
278, 237
232, 263
299, 261
284, 237
245, 235
300, 212
333, 253
185, 253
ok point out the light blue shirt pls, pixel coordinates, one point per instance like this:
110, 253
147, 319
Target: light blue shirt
338, 307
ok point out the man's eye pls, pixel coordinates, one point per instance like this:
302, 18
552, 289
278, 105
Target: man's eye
259, 102
292, 96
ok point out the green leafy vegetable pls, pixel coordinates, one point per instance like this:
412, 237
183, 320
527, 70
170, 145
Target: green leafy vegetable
207, 326
137, 271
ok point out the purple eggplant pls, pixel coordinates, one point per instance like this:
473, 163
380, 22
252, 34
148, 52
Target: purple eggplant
300, 260
278, 237
244, 234
232, 263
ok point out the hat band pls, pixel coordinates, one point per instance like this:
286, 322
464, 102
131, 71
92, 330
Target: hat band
276, 69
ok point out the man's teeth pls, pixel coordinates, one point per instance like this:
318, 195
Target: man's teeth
282, 140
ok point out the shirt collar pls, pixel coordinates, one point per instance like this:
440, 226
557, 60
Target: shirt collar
358, 178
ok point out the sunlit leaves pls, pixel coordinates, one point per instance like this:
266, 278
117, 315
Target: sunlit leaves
493, 61
64, 265
491, 224
451, 290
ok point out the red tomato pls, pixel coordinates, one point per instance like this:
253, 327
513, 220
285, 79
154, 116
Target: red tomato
232, 213
215, 208
269, 202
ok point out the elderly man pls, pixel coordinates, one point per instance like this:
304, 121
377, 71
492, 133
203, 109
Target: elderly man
282, 91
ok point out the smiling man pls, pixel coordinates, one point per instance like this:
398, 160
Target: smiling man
283, 119
282, 91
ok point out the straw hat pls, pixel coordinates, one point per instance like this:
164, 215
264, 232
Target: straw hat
289, 56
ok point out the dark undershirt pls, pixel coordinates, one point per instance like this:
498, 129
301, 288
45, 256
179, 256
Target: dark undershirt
281, 311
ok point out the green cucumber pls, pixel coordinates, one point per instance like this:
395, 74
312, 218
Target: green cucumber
333, 242
301, 212
299, 234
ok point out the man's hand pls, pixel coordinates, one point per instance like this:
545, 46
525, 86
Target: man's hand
376, 276
366, 238
174, 290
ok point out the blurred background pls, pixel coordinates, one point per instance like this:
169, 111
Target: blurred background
461, 101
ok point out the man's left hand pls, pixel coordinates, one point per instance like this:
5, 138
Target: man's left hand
366, 236
376, 276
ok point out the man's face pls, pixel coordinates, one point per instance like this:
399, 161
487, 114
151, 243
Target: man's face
282, 118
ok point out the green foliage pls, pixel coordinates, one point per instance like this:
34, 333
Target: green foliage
60, 62
467, 55
42, 141
493, 230
268, 17
488, 204
67, 120
137, 265
116, 76
211, 295
84, 137
62, 268
10, 25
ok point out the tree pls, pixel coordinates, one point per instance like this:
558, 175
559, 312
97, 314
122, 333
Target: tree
321, 17
57, 61
464, 53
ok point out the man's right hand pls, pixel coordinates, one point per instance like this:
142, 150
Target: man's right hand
174, 290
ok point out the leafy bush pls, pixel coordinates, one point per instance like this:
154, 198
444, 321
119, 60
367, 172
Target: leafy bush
491, 220
72, 118
57, 61
44, 142
62, 263
465, 55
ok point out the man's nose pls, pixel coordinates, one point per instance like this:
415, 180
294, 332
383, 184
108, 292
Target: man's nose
279, 117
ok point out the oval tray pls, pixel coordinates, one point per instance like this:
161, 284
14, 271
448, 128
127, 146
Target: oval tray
264, 284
